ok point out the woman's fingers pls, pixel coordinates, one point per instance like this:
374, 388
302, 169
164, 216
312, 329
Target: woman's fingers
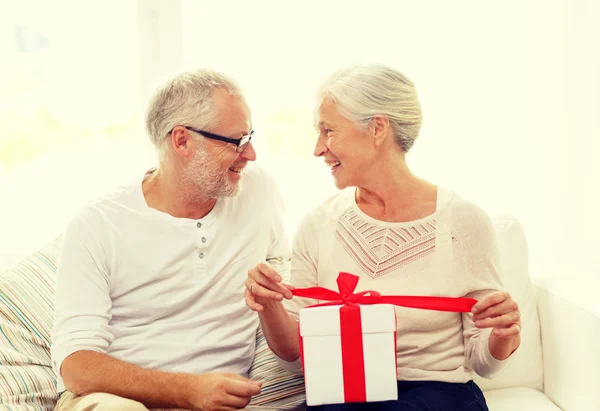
268, 271
265, 282
502, 321
264, 285
511, 331
496, 310
263, 289
251, 303
490, 300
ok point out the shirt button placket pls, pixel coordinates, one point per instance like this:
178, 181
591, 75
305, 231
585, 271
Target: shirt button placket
201, 251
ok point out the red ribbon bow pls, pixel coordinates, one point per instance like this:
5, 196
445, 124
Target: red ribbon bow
351, 327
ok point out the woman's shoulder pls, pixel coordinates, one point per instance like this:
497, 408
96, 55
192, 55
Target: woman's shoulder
467, 215
332, 207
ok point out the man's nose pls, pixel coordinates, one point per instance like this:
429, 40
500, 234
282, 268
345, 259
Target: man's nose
249, 153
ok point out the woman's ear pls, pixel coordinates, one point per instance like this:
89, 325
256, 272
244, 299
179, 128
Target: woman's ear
380, 125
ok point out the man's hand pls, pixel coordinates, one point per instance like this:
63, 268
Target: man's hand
221, 392
500, 311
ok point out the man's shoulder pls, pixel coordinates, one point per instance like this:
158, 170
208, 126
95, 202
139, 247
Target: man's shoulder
99, 207
257, 173
257, 179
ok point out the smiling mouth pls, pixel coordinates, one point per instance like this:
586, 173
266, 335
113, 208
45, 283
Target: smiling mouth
333, 164
236, 169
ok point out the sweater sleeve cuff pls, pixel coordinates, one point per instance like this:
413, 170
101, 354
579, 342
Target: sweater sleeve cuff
294, 367
493, 366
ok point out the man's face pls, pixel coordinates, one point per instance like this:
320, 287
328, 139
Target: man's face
214, 166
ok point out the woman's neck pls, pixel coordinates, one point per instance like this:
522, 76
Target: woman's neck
398, 196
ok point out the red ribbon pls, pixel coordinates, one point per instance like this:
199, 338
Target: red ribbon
351, 327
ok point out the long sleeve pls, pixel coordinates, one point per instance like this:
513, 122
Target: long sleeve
82, 301
303, 274
482, 263
304, 266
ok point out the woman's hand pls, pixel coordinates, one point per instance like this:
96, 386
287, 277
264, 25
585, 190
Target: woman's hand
264, 287
499, 311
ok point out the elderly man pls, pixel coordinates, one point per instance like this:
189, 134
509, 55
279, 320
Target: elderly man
149, 299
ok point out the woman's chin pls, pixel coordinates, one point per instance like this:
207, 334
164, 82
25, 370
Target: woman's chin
340, 183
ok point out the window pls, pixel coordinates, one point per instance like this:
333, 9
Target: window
70, 124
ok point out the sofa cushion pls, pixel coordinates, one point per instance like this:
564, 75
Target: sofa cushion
520, 398
281, 390
26, 315
526, 368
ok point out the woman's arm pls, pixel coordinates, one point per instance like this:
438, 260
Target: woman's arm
265, 293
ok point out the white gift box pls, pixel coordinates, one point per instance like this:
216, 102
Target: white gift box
321, 344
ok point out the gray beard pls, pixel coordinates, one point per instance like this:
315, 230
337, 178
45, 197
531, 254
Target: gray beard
209, 180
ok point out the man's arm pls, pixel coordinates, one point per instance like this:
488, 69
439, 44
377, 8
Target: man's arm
81, 335
86, 372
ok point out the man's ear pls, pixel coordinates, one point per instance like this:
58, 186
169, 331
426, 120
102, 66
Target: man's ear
380, 125
180, 141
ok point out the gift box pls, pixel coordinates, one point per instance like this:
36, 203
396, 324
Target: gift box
348, 345
349, 356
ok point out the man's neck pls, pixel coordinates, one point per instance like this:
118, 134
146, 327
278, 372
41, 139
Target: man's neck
164, 192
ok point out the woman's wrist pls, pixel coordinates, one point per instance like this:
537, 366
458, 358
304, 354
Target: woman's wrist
501, 347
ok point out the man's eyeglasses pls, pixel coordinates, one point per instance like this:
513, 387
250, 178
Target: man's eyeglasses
240, 143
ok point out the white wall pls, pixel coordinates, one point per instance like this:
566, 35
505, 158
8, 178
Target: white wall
473, 63
509, 93
568, 137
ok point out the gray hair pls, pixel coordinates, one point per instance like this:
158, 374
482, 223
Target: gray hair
186, 100
365, 90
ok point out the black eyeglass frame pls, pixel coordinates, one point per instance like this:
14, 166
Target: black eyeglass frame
240, 143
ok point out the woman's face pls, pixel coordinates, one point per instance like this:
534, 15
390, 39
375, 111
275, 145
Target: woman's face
343, 145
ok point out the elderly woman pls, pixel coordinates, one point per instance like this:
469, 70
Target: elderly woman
401, 235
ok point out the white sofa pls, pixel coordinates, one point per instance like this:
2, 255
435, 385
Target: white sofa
556, 368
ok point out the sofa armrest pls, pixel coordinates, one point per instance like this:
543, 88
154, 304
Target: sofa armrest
569, 311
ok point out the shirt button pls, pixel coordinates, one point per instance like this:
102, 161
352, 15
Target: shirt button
201, 256
198, 224
203, 239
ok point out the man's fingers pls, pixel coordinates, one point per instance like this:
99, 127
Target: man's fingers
504, 307
241, 378
242, 388
235, 401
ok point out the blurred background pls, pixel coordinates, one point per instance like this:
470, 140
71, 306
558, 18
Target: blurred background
510, 93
